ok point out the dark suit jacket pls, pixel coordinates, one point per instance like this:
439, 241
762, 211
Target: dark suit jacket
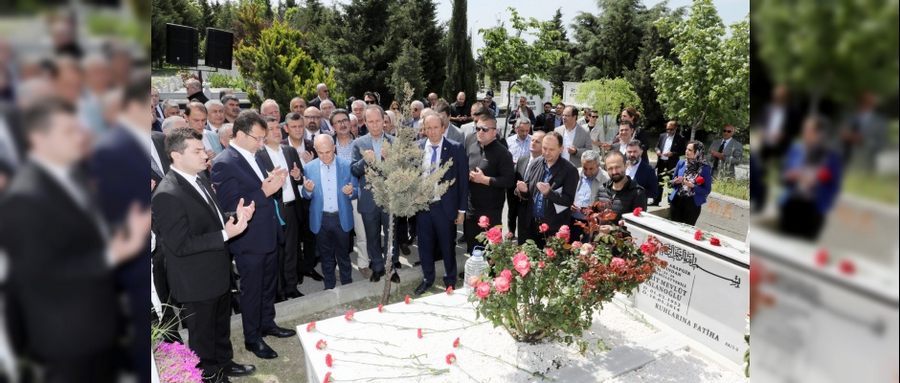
308, 144
291, 157
677, 149
235, 179
563, 185
198, 266
646, 177
456, 198
60, 294
159, 142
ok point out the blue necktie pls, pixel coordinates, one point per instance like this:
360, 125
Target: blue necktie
278, 214
434, 149
538, 197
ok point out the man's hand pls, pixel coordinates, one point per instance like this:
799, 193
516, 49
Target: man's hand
348, 189
678, 180
307, 156
295, 172
522, 187
460, 218
274, 181
238, 223
369, 156
572, 150
152, 183
128, 241
478, 176
245, 212
543, 187
308, 184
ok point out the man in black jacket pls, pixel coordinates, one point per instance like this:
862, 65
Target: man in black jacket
193, 232
669, 149
491, 172
620, 192
548, 192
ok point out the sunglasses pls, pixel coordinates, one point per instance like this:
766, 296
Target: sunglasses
483, 128
370, 102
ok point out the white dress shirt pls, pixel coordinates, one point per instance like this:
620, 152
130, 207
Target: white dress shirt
667, 147
300, 148
426, 160
568, 140
517, 147
277, 156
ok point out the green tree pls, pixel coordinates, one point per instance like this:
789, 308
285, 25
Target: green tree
279, 68
510, 56
706, 82
460, 67
359, 53
835, 51
560, 70
606, 96
413, 22
608, 44
181, 12
406, 72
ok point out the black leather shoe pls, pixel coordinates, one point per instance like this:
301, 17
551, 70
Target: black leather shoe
376, 276
261, 350
395, 277
315, 275
280, 332
398, 266
422, 288
293, 294
235, 369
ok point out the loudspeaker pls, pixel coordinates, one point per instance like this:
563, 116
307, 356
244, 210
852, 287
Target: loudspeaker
181, 45
219, 44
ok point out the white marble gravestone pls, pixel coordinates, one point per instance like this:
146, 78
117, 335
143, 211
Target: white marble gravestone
704, 291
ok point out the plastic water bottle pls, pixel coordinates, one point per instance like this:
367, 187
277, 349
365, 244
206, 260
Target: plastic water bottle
475, 266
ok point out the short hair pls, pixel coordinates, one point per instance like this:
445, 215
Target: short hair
626, 123
194, 105
210, 103
556, 135
136, 91
226, 92
336, 112
523, 121
224, 128
479, 109
245, 121
229, 97
375, 106
169, 121
358, 102
590, 155
176, 139
192, 82
417, 103
635, 116
36, 118
320, 86
267, 102
573, 109
293, 117
561, 104
487, 117
325, 102
441, 106
635, 143
548, 103
613, 153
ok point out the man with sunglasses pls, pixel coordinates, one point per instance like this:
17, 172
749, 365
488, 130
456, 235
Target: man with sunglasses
323, 95
726, 152
491, 172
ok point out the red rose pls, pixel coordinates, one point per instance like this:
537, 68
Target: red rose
329, 360
321, 344
380, 308
543, 228
483, 290
450, 290
550, 253
699, 180
327, 377
451, 358
407, 300
456, 343
495, 234
847, 267
419, 333
698, 235
714, 241
563, 233
649, 248
822, 257
311, 326
823, 175
637, 211
348, 315
484, 222
501, 284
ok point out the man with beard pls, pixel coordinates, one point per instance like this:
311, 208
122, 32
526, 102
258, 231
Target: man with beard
620, 193
640, 170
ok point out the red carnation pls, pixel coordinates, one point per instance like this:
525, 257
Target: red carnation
327, 377
419, 333
329, 360
380, 308
321, 344
699, 180
543, 228
714, 241
450, 290
698, 235
456, 343
822, 257
407, 300
637, 211
823, 175
847, 267
311, 326
451, 358
348, 315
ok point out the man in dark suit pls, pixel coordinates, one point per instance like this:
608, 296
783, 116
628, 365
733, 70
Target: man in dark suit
548, 191
512, 199
273, 155
322, 91
193, 230
236, 174
640, 170
669, 149
303, 146
434, 224
368, 149
60, 300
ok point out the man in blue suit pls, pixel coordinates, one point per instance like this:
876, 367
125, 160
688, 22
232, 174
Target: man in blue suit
433, 225
236, 174
329, 185
369, 149
640, 171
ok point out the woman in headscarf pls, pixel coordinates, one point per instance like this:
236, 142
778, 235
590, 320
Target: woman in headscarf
691, 185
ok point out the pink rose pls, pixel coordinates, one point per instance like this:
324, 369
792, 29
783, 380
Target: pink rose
541, 264
509, 235
506, 274
501, 284
543, 228
550, 253
483, 290
587, 248
563, 233
648, 248
617, 263
484, 222
495, 235
521, 263
576, 245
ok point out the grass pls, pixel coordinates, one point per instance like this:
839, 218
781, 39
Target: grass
880, 188
739, 189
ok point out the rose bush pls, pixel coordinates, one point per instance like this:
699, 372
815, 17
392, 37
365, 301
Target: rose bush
551, 293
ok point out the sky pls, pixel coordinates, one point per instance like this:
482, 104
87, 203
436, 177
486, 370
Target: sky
485, 14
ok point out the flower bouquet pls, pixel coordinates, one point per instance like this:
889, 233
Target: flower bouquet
551, 293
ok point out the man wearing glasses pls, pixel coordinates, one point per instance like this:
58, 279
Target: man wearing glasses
323, 95
669, 149
491, 172
726, 152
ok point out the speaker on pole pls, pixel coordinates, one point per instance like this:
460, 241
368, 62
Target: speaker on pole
219, 46
181, 45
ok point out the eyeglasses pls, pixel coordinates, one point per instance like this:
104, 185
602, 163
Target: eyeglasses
258, 139
483, 128
370, 102
595, 116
